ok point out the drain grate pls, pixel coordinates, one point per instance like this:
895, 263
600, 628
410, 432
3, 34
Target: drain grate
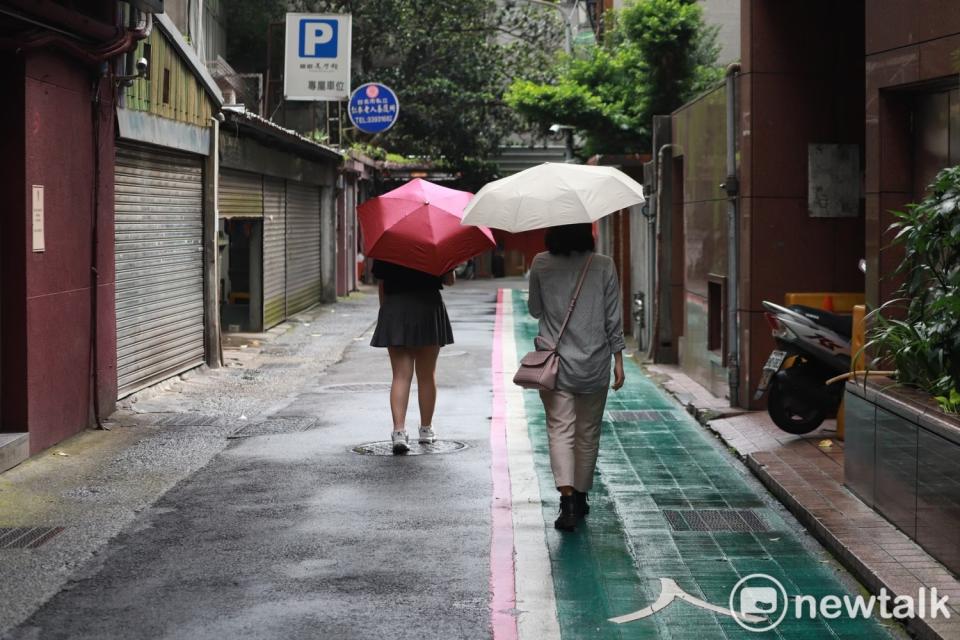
26, 537
652, 415
276, 426
733, 520
385, 448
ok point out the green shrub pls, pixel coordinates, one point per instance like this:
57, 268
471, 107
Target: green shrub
919, 332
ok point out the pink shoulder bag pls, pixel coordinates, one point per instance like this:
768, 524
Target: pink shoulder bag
538, 369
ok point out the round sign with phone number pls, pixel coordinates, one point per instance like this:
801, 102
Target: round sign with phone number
373, 107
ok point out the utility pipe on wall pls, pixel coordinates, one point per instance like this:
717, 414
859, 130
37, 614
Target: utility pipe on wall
655, 251
211, 248
732, 187
94, 53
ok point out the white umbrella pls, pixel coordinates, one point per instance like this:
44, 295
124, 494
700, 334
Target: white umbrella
550, 195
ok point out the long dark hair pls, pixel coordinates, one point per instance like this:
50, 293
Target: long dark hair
567, 238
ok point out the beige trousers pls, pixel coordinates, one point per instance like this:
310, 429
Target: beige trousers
573, 429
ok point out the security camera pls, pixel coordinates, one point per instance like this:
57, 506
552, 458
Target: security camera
143, 69
555, 128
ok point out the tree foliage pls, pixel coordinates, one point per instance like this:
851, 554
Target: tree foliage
658, 54
449, 62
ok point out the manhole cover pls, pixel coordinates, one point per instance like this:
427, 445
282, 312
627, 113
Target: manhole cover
452, 354
385, 448
735, 520
652, 415
357, 387
26, 537
276, 426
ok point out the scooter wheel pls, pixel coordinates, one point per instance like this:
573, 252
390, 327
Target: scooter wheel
792, 415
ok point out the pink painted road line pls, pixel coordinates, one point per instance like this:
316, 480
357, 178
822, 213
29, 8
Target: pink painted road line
503, 594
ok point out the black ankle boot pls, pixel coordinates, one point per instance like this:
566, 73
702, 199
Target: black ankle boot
581, 506
567, 520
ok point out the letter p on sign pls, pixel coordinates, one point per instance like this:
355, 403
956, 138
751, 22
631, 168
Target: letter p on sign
318, 38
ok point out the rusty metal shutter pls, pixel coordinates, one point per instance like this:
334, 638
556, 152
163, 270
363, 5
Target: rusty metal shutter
303, 246
159, 265
274, 253
241, 195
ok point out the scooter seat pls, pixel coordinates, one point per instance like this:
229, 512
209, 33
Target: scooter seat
838, 323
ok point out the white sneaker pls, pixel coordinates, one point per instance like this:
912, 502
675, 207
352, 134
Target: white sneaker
400, 445
427, 436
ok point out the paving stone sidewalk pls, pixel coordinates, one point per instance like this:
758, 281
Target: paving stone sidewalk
806, 474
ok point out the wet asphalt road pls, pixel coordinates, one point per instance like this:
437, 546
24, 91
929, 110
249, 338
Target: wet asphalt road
294, 535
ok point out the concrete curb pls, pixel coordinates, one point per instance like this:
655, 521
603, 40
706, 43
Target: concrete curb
917, 627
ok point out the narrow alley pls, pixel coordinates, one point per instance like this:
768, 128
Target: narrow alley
479, 319
282, 521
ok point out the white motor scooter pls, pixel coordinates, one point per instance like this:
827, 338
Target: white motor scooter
812, 346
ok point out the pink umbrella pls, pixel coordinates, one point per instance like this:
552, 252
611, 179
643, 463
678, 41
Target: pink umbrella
418, 226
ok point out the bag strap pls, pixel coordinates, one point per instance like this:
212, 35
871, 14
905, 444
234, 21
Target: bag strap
576, 294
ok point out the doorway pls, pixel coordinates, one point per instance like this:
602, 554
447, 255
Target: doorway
1, 340
14, 439
241, 275
936, 136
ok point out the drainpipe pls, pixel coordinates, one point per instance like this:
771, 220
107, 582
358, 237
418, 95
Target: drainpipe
211, 275
656, 251
732, 187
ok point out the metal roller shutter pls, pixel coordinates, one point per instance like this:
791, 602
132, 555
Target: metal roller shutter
303, 246
159, 265
274, 253
241, 195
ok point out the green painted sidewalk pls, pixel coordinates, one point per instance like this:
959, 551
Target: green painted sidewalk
661, 461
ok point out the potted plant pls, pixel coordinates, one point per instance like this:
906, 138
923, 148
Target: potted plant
903, 435
923, 343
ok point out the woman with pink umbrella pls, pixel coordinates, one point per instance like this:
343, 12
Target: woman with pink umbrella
415, 236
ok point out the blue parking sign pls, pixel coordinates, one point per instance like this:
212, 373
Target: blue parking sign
316, 57
318, 38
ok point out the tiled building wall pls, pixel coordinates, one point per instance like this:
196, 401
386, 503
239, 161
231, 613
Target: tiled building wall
48, 379
801, 83
912, 66
699, 154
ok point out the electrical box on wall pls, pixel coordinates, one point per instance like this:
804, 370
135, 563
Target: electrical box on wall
834, 183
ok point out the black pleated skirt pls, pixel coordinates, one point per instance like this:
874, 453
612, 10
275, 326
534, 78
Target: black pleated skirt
413, 319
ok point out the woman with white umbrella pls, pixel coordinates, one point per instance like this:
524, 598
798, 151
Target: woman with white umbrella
575, 294
592, 335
